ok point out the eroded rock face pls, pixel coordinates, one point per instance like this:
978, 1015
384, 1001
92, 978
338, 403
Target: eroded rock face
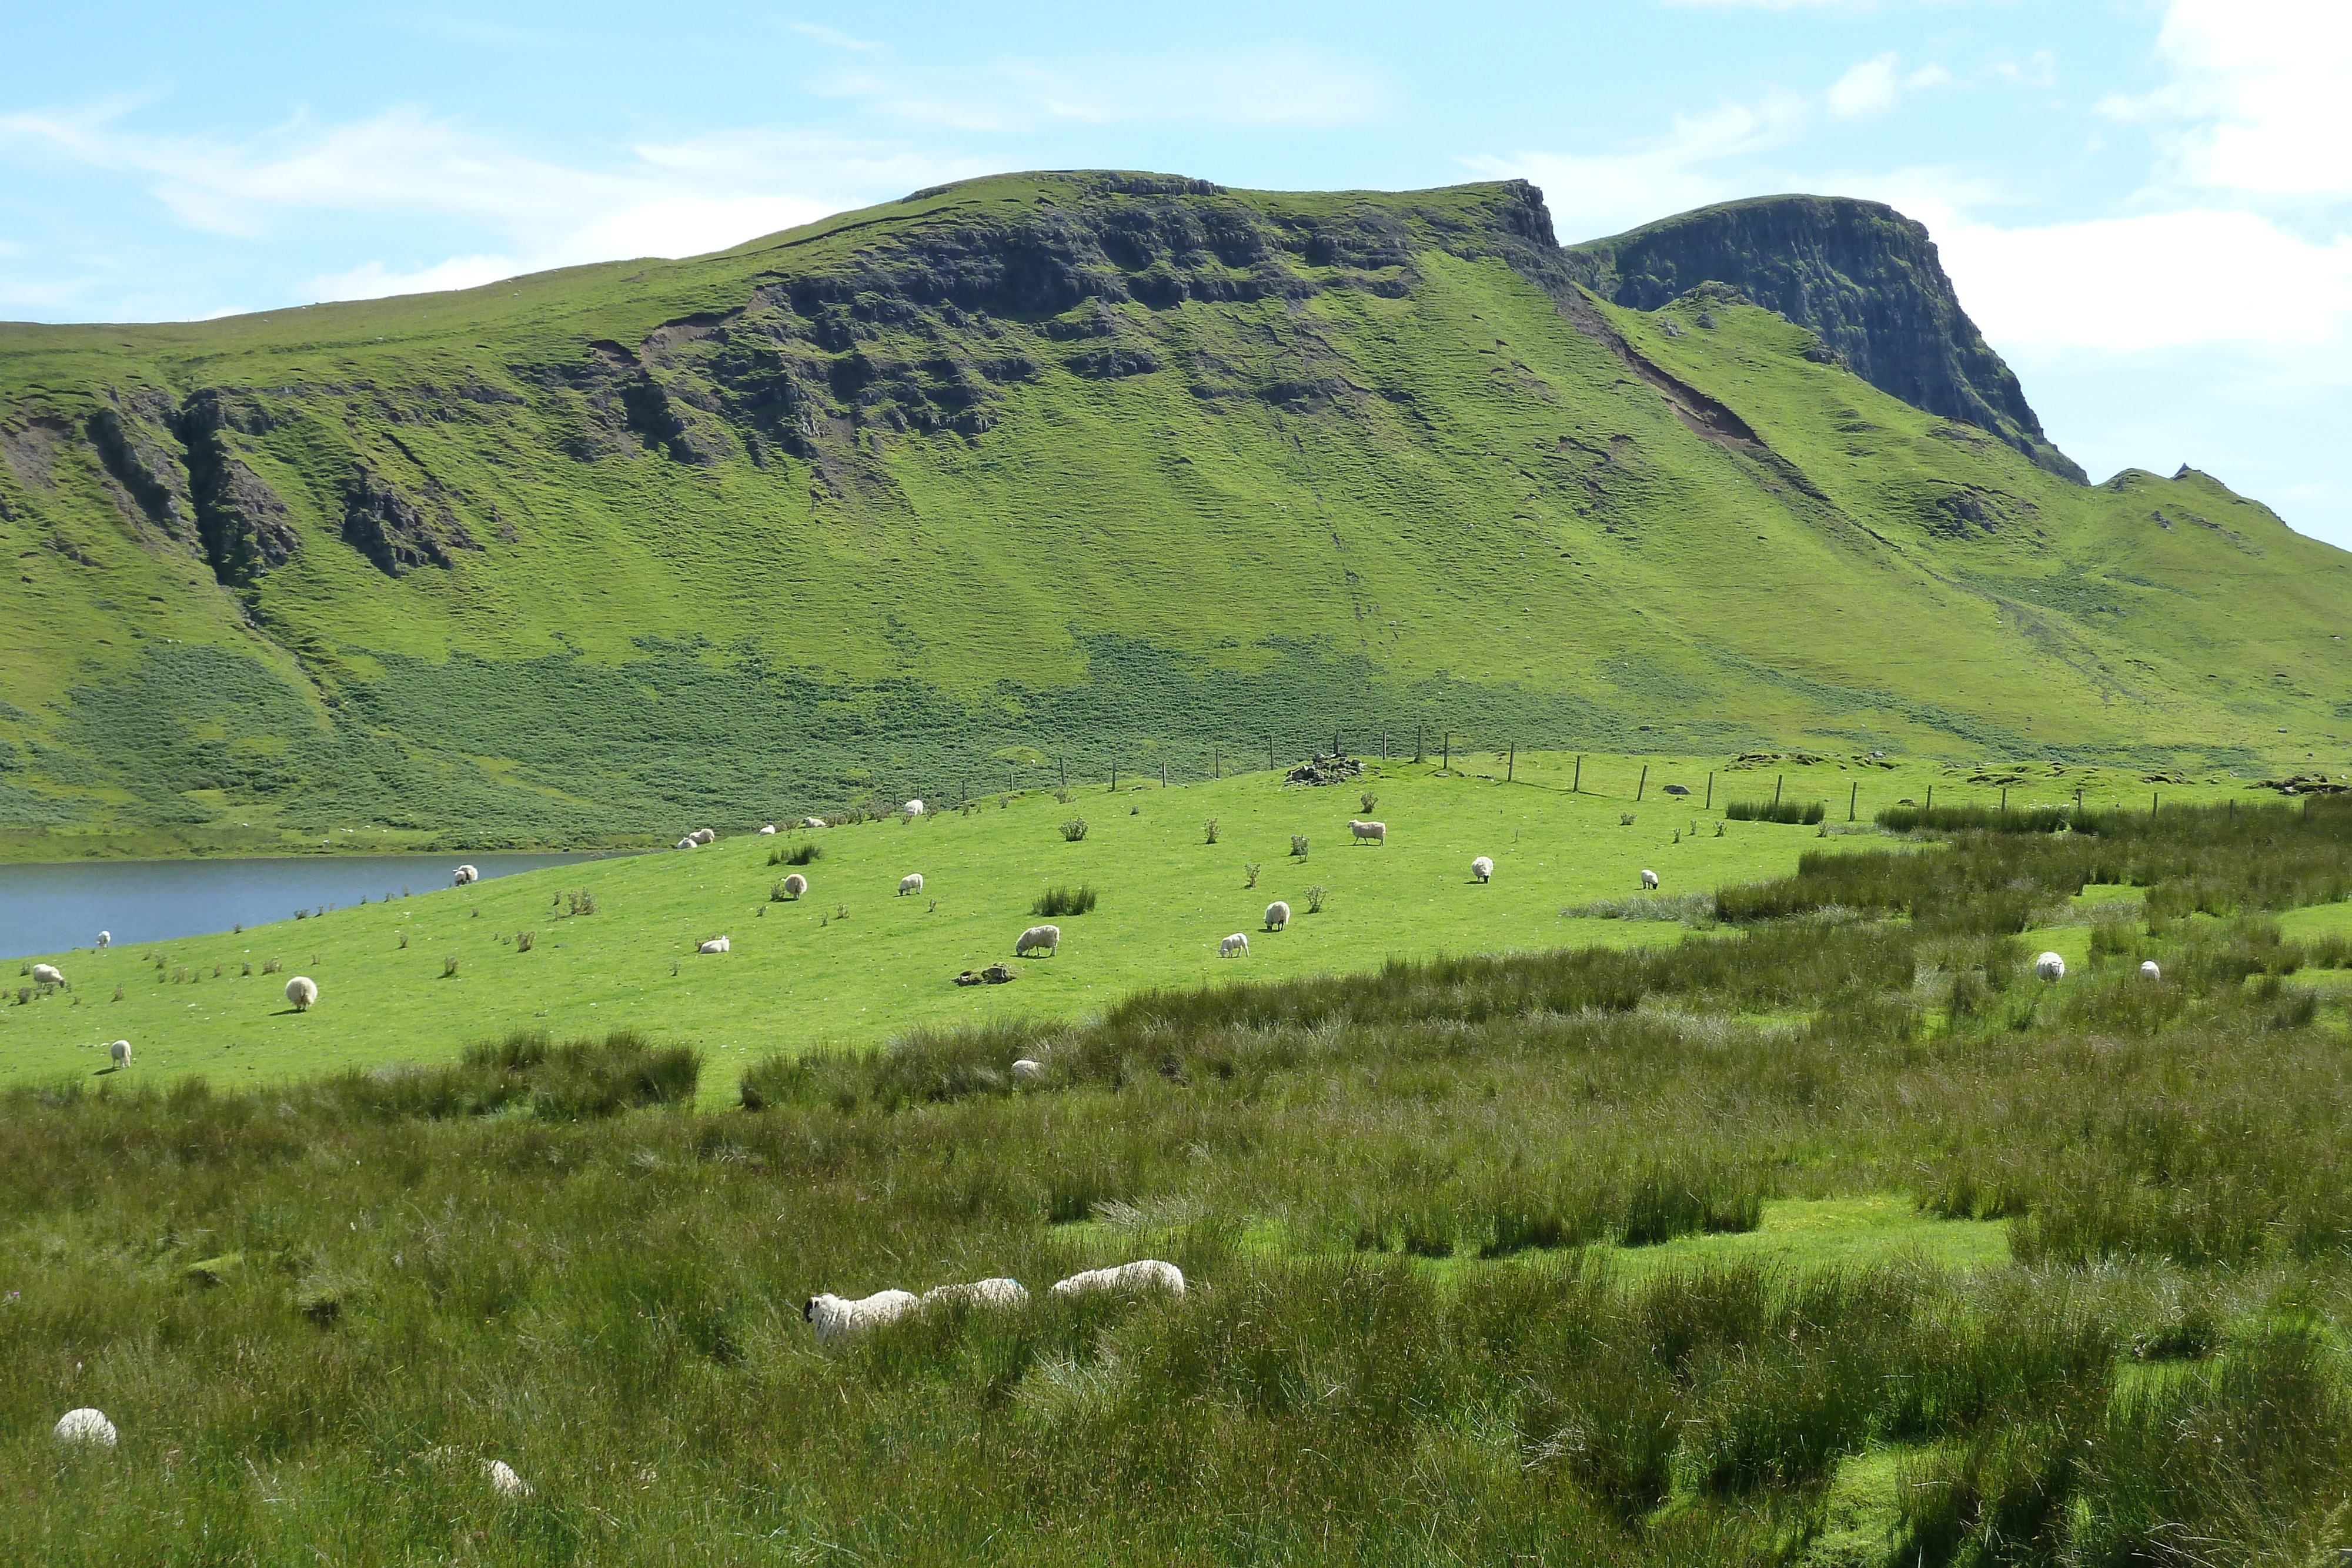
1862, 275
386, 526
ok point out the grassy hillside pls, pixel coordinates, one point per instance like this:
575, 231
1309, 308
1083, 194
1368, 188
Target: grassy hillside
1103, 468
802, 975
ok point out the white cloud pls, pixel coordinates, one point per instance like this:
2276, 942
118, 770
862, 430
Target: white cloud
1926, 76
1267, 87
1773, 5
2261, 99
2040, 71
1867, 89
376, 281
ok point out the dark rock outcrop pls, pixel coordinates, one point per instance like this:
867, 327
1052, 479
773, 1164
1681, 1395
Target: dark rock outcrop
1860, 274
387, 527
242, 523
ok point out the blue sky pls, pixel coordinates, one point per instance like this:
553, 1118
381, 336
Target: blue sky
2146, 203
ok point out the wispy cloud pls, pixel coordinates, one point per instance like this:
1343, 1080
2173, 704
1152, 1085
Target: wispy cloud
1869, 88
1268, 88
2260, 100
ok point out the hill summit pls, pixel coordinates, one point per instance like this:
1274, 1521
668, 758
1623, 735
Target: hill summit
1087, 469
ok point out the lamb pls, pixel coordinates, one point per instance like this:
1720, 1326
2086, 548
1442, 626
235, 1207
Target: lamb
86, 1426
2050, 967
795, 885
1368, 832
105, 938
812, 821
717, 944
1236, 942
769, 831
48, 975
703, 836
914, 808
1009, 1294
466, 874
687, 843
1049, 937
1144, 1275
2149, 972
1277, 915
303, 992
837, 1320
1483, 869
503, 1480
1649, 881
119, 1052
913, 883
1028, 1070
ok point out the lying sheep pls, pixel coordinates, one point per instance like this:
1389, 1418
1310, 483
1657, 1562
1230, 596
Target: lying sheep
812, 821
503, 1480
1028, 1070
2149, 972
2050, 967
1277, 915
769, 831
86, 1426
48, 975
1146, 1274
105, 938
912, 883
1483, 869
795, 885
703, 836
836, 1319
1648, 882
119, 1053
303, 991
1236, 942
464, 875
1049, 937
914, 808
716, 945
1368, 832
1008, 1295
689, 842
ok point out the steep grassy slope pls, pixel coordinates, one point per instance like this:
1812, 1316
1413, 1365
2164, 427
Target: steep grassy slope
1099, 467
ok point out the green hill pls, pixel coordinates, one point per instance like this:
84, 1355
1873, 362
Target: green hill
1087, 467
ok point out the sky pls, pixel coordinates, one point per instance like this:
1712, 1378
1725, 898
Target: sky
2146, 205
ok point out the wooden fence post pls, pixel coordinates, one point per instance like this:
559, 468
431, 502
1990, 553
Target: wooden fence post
1578, 786
1710, 789
1511, 767
1269, 751
1776, 789
1851, 797
1164, 773
1216, 762
2004, 800
1065, 770
1931, 797
1640, 788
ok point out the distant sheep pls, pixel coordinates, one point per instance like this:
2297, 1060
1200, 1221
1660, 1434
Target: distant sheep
105, 938
1483, 869
465, 875
703, 836
1049, 937
119, 1053
1648, 882
303, 992
716, 945
911, 884
1028, 1070
769, 831
837, 1320
86, 1426
2050, 967
48, 975
914, 808
1277, 915
2149, 972
1368, 832
812, 821
503, 1480
689, 842
1150, 1273
1010, 1295
795, 885
1236, 942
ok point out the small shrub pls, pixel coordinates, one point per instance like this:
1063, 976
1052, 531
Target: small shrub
1074, 829
1624, 818
301, 915
523, 939
118, 985
841, 912
583, 902
1369, 800
403, 941
1249, 874
1064, 901
1719, 829
1211, 829
271, 966
1315, 896
1062, 797
1298, 845
449, 967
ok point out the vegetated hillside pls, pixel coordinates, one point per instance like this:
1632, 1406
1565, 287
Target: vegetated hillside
1095, 466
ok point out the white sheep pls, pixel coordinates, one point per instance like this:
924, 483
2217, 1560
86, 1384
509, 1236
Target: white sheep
2149, 972
812, 821
1049, 937
105, 938
716, 945
503, 1480
689, 842
1649, 881
795, 885
86, 1426
1277, 915
703, 836
1368, 832
1146, 1274
303, 992
1483, 869
2050, 967
465, 874
837, 1320
48, 975
1008, 1295
119, 1052
914, 808
1028, 1070
1236, 942
911, 884
769, 831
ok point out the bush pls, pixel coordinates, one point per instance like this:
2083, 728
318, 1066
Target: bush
1807, 813
1064, 900
805, 853
1074, 829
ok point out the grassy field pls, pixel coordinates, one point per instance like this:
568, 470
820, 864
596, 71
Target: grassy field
1836, 1239
801, 974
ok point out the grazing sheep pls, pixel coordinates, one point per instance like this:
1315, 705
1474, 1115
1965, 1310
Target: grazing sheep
907, 884
914, 808
1483, 869
812, 821
1143, 1275
837, 1320
1009, 1294
2149, 972
465, 874
48, 975
2050, 967
503, 1480
105, 938
303, 991
119, 1052
716, 945
1028, 1070
703, 836
1368, 832
1236, 942
687, 843
1277, 915
769, 831
86, 1426
795, 885
1049, 937
1648, 882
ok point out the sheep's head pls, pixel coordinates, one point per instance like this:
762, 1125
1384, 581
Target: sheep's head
808, 1310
